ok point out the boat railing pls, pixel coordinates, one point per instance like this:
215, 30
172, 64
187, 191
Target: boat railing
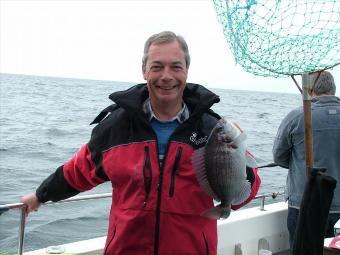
22, 208
263, 197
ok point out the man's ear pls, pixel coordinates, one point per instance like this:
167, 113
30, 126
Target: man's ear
310, 92
144, 72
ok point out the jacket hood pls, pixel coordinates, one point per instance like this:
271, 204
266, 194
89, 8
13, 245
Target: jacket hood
197, 98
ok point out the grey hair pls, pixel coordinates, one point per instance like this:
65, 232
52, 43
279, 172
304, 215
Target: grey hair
166, 37
323, 83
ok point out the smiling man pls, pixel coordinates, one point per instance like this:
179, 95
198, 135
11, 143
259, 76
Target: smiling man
143, 145
165, 68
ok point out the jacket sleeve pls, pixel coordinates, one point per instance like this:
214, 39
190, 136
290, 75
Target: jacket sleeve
79, 174
55, 188
282, 143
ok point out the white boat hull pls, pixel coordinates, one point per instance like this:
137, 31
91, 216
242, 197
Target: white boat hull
244, 232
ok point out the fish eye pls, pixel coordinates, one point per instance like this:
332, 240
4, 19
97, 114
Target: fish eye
219, 128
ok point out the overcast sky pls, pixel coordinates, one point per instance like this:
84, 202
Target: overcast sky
104, 40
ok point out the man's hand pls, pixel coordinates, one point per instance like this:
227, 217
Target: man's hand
32, 203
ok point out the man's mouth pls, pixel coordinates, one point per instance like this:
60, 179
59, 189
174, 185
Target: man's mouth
167, 87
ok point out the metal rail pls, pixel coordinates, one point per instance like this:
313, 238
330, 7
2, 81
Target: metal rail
273, 195
22, 208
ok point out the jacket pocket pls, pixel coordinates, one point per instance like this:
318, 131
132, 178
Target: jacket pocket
175, 171
147, 174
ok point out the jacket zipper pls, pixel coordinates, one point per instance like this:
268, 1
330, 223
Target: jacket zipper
175, 171
159, 193
147, 174
159, 196
158, 206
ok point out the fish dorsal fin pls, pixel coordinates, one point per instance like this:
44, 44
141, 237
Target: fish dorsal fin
198, 163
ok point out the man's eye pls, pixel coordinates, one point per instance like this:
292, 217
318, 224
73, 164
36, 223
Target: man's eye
177, 68
155, 68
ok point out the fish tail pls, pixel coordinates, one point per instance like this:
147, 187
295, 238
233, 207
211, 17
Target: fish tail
217, 212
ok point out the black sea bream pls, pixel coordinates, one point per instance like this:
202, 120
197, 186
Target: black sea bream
221, 168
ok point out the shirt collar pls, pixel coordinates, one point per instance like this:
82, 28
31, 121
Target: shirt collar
181, 116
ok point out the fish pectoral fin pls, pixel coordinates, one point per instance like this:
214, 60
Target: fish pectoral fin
243, 194
217, 212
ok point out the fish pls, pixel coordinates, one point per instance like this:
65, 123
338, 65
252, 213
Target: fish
220, 168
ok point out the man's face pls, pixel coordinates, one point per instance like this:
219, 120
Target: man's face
166, 73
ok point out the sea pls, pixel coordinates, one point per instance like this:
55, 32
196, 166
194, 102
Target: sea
44, 121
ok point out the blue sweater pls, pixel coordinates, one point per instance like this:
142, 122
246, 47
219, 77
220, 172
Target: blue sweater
163, 130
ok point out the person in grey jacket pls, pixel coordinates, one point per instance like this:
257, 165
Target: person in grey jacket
288, 148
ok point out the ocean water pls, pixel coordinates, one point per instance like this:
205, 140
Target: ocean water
43, 122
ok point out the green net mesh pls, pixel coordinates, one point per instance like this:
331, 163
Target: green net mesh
282, 37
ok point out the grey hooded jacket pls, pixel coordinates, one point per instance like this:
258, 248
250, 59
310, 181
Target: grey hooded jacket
288, 149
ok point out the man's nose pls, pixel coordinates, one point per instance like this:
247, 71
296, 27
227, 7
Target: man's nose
167, 74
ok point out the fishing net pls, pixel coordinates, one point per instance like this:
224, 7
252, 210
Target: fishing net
282, 37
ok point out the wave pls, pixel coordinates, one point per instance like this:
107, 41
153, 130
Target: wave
56, 132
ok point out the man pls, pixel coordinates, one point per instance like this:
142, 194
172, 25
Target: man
288, 149
144, 147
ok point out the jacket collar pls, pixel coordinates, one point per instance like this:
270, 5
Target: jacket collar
181, 116
197, 98
325, 99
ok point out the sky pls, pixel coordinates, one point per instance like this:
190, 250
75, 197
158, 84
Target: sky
103, 40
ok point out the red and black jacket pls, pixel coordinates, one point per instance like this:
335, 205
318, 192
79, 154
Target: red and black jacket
155, 210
